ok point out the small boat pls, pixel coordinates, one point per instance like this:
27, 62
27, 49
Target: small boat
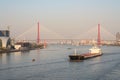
93, 52
33, 60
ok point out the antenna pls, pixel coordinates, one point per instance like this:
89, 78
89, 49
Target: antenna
8, 27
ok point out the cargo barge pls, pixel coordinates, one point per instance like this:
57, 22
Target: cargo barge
93, 52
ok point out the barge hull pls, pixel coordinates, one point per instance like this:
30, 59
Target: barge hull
83, 56
76, 57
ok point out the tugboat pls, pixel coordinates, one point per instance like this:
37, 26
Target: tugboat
93, 52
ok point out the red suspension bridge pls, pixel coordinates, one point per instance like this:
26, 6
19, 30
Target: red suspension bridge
41, 34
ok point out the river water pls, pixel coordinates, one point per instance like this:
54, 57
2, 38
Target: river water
52, 63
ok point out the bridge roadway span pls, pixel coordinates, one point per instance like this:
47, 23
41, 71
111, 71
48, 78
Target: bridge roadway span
70, 41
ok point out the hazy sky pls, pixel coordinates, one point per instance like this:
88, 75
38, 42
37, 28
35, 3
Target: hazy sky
66, 18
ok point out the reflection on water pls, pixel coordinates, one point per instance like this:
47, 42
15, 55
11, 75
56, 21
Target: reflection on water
53, 63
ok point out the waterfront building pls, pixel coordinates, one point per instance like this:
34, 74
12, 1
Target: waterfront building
5, 41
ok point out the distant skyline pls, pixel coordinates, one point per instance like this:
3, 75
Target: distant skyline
59, 18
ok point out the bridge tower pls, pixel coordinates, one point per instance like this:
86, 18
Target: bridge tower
38, 33
99, 36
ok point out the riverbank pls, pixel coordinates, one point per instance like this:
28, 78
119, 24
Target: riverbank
22, 49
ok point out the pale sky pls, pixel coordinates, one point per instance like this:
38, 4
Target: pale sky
65, 18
